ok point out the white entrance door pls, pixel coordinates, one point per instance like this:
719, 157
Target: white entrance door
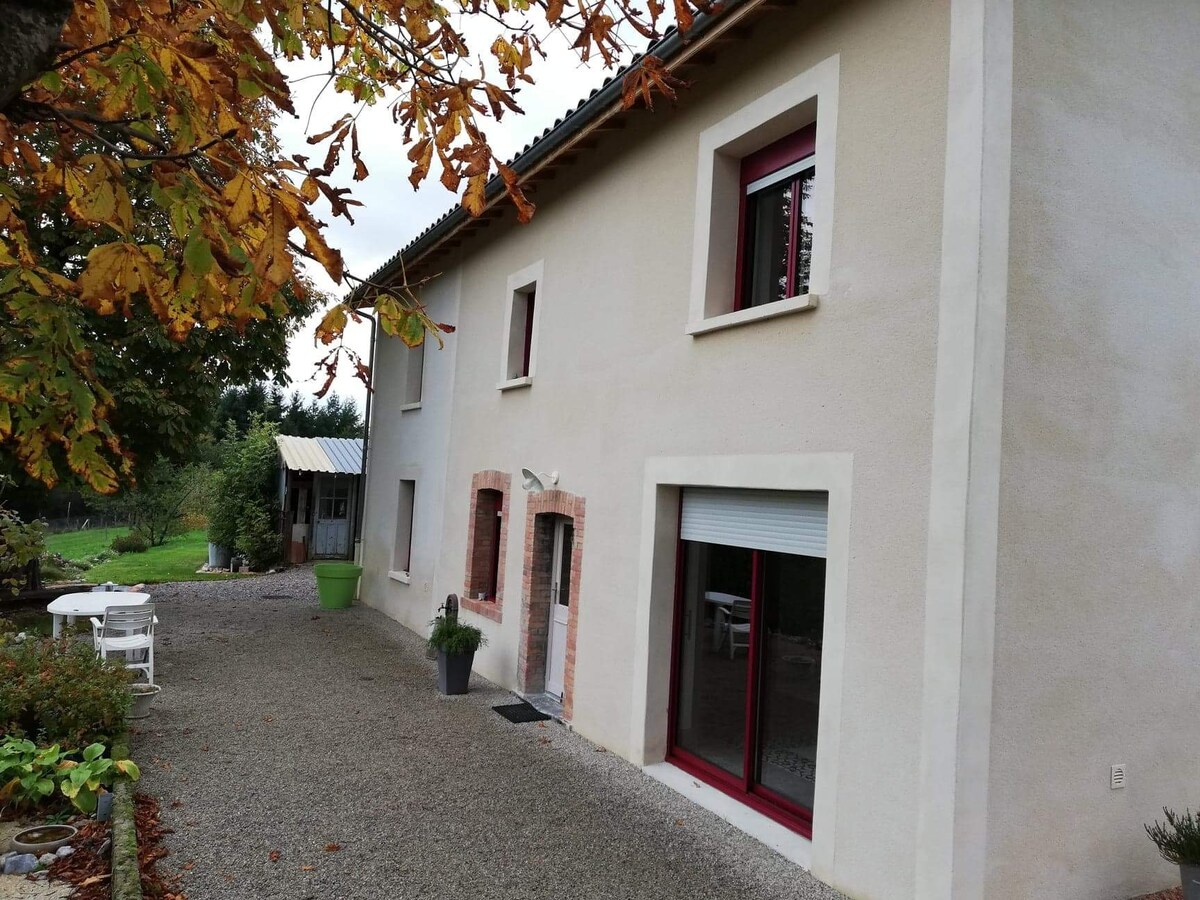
331, 531
560, 605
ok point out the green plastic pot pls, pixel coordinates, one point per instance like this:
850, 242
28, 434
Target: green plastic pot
336, 584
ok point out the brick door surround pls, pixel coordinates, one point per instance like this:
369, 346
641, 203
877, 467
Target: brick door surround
479, 549
535, 591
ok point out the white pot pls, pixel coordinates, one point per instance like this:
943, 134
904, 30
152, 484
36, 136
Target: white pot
143, 698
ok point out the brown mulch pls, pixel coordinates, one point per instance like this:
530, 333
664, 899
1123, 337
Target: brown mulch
86, 868
1168, 894
150, 832
90, 871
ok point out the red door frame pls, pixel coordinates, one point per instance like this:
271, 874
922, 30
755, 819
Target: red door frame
743, 788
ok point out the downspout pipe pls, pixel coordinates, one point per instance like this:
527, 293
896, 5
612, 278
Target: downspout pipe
362, 474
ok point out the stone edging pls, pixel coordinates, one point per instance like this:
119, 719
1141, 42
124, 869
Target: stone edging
126, 876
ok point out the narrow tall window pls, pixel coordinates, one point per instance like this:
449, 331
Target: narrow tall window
520, 333
402, 555
484, 573
414, 373
775, 230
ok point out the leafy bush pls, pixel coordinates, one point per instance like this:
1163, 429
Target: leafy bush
1177, 839
29, 774
59, 692
452, 637
20, 544
129, 543
258, 538
244, 514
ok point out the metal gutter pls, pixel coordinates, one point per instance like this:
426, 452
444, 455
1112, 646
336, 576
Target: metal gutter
605, 102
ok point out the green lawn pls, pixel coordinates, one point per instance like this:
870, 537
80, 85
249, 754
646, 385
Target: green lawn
75, 545
176, 560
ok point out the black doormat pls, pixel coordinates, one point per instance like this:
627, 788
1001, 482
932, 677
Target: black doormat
520, 712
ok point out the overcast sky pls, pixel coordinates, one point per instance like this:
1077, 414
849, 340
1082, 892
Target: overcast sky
392, 212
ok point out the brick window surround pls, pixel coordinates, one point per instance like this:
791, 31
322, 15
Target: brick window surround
480, 547
535, 606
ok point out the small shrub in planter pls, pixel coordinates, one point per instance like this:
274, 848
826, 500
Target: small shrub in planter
60, 692
1178, 842
455, 644
129, 543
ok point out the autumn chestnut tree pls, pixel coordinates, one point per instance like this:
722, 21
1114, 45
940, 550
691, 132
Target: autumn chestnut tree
102, 101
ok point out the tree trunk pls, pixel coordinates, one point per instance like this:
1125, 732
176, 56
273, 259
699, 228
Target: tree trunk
29, 35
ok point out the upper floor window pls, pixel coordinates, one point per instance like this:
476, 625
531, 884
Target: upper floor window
775, 229
522, 313
520, 332
414, 374
763, 229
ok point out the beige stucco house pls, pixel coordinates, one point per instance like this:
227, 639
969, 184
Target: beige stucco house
858, 394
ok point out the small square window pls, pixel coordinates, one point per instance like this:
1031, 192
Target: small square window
775, 228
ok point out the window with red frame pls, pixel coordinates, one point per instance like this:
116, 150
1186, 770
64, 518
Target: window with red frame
775, 228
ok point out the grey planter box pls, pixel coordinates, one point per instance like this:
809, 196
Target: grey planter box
1190, 876
454, 672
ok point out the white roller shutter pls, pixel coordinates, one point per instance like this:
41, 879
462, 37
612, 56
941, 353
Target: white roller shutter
794, 522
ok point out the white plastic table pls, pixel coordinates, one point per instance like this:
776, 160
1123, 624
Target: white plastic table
90, 603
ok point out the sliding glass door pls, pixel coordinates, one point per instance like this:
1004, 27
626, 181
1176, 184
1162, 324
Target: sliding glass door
747, 654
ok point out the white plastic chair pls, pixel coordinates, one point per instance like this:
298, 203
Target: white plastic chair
734, 627
128, 630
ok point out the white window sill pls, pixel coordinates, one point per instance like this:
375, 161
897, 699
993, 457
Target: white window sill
402, 577
406, 407
514, 383
787, 307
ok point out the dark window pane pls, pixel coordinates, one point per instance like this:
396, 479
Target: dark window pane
710, 705
767, 244
789, 674
564, 570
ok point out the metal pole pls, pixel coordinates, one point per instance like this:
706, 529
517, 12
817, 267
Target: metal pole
362, 475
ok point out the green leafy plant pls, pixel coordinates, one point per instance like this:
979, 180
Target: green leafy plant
20, 544
27, 772
452, 637
83, 781
58, 691
244, 513
129, 543
30, 775
1177, 839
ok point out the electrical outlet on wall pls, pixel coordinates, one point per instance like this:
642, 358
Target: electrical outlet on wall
1116, 777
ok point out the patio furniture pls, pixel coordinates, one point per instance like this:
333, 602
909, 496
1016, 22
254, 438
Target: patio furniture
128, 630
88, 603
737, 631
738, 612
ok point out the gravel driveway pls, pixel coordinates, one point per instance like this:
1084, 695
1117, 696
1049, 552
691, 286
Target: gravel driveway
319, 738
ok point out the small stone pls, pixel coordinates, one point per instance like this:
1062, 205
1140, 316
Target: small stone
64, 851
40, 873
46, 859
20, 864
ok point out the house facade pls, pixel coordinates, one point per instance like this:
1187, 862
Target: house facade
808, 449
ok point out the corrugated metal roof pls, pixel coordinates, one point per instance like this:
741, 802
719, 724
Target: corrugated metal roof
345, 453
336, 455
